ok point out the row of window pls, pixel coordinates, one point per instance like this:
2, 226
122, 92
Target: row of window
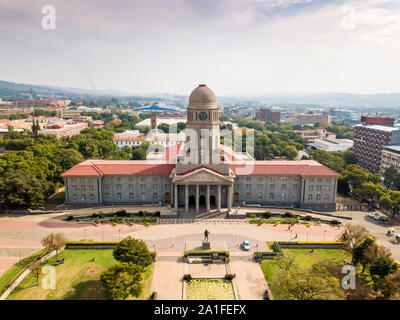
319, 180
83, 197
131, 186
272, 196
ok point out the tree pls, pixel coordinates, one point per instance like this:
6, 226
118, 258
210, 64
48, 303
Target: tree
390, 175
140, 153
353, 234
134, 251
291, 152
391, 286
370, 190
122, 280
286, 262
70, 158
54, 241
314, 284
36, 269
381, 267
21, 189
366, 252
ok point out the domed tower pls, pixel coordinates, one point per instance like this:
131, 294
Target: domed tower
203, 119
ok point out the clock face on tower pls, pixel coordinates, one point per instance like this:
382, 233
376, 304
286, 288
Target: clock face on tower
203, 116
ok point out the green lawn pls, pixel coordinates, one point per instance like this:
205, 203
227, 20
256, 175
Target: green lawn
209, 289
305, 259
55, 200
77, 279
10, 273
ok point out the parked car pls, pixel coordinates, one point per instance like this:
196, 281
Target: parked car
374, 215
245, 245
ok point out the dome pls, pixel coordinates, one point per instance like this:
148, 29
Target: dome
202, 98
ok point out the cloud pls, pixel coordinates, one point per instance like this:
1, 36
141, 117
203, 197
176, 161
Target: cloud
237, 46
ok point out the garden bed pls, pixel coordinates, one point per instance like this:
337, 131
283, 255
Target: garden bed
209, 289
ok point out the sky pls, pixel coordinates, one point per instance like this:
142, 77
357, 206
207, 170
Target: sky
234, 46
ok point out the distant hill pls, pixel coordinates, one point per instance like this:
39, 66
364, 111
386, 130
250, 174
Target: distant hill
13, 90
389, 102
379, 100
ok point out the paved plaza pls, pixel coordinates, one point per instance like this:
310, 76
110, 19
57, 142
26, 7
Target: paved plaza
20, 235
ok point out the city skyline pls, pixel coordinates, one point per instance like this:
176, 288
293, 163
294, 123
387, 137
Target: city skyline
237, 47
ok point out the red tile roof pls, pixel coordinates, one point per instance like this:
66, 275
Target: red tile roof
300, 167
304, 168
119, 167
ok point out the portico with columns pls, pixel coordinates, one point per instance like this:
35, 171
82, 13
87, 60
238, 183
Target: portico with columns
202, 189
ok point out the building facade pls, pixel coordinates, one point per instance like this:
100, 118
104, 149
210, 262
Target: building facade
212, 176
369, 142
310, 118
390, 158
311, 135
266, 115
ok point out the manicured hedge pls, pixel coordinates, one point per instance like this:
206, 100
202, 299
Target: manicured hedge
92, 242
206, 253
320, 242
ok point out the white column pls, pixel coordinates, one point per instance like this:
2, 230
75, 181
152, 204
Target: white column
229, 198
208, 198
176, 197
197, 199
219, 198
186, 198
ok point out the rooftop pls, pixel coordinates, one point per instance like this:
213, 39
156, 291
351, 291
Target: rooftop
393, 148
378, 127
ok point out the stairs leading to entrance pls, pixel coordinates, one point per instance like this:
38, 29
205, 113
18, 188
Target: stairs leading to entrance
213, 214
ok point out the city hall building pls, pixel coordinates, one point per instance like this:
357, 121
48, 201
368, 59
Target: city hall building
187, 177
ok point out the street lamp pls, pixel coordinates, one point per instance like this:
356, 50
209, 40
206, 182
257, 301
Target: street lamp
307, 236
119, 234
324, 234
85, 233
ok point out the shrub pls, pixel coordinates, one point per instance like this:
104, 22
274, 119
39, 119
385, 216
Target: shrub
187, 277
140, 213
289, 214
94, 215
145, 214
156, 214
308, 218
205, 253
252, 216
256, 221
267, 214
70, 218
121, 213
335, 222
230, 277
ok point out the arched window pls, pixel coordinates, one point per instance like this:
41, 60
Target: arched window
326, 197
310, 197
84, 197
271, 196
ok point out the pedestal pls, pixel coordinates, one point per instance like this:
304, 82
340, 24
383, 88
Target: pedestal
206, 245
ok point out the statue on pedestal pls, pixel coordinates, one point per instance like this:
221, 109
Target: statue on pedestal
206, 233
